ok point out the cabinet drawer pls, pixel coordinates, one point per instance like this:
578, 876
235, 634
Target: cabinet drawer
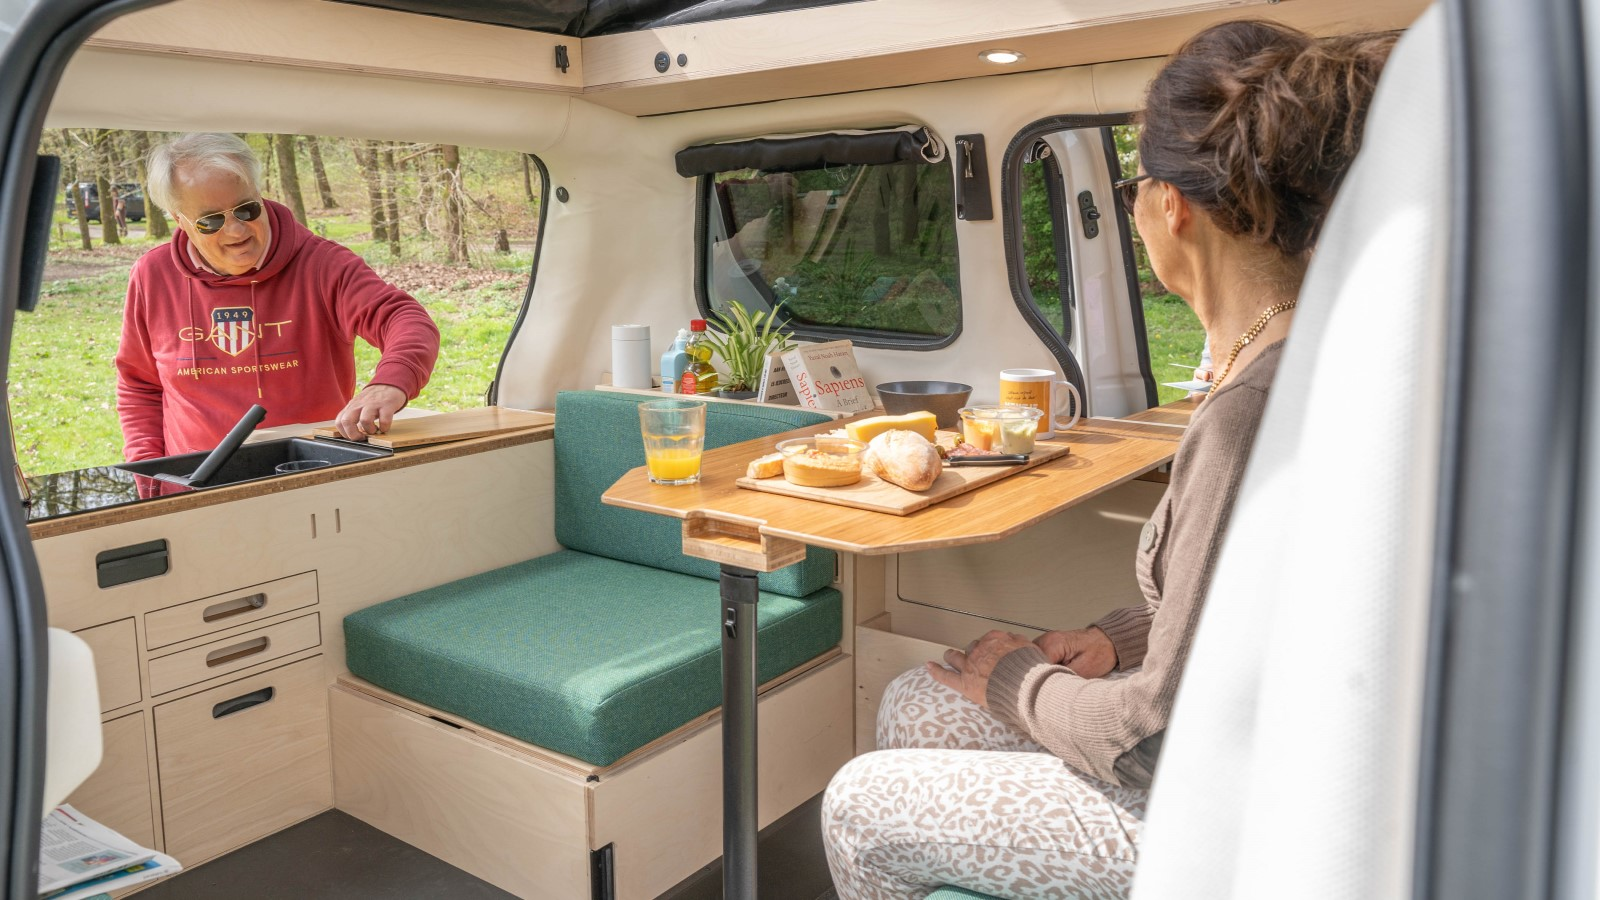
198, 617
116, 663
117, 795
186, 667
243, 760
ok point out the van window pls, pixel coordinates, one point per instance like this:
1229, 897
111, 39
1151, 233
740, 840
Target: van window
1048, 203
1173, 333
455, 227
866, 252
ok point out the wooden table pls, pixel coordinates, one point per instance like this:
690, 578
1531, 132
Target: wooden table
750, 531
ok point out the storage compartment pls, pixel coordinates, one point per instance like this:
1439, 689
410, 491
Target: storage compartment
116, 663
240, 607
197, 664
881, 657
526, 819
243, 760
117, 795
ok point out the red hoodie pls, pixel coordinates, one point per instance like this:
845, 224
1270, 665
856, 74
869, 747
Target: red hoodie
199, 348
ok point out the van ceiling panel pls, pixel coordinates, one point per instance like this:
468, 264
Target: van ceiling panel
586, 18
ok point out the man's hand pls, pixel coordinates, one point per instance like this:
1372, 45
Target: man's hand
972, 668
1086, 651
370, 412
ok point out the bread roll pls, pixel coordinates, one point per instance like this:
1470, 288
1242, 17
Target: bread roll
905, 458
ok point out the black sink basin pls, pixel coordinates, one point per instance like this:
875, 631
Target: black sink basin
252, 462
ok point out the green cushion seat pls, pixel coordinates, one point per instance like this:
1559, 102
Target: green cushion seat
584, 655
954, 893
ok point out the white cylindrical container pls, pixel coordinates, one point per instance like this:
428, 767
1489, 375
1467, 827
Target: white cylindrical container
630, 356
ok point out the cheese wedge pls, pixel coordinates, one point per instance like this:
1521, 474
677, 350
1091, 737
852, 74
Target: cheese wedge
922, 423
765, 467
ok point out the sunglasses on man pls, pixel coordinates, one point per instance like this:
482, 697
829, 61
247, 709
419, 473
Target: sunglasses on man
211, 223
1128, 191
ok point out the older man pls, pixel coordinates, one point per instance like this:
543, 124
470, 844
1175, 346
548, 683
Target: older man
247, 306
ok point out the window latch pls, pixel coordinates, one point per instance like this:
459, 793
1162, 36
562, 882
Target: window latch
562, 62
1090, 214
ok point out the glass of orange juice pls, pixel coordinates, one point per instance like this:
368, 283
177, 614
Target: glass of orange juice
674, 437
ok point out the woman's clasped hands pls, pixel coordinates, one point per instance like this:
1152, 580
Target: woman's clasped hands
1086, 651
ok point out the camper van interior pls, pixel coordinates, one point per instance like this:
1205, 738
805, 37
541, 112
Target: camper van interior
505, 662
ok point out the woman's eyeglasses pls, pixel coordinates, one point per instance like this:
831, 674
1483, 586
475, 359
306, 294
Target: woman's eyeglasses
211, 223
1128, 191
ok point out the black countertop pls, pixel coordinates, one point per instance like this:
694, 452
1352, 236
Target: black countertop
101, 487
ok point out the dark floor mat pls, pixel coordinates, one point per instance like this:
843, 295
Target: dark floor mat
334, 856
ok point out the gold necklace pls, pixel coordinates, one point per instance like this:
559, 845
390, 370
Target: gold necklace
1245, 339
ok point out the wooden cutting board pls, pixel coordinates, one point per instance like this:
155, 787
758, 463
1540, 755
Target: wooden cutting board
873, 493
453, 426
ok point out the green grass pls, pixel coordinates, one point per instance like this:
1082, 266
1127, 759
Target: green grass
63, 377
1174, 336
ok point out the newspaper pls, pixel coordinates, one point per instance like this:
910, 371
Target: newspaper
79, 857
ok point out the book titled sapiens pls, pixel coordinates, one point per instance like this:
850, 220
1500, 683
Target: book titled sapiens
825, 376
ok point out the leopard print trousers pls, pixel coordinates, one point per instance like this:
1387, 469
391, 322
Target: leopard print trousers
955, 796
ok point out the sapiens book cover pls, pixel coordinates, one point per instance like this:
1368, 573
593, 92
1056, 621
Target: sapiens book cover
825, 376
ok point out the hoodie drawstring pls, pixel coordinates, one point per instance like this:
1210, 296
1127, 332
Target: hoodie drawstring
256, 341
194, 352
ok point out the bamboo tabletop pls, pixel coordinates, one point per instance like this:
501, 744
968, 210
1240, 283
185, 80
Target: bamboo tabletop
1178, 412
730, 524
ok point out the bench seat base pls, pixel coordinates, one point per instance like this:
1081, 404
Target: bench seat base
527, 820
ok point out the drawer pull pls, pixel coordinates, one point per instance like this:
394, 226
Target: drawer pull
237, 651
230, 608
131, 563
240, 704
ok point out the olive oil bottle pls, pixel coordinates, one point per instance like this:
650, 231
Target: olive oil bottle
698, 376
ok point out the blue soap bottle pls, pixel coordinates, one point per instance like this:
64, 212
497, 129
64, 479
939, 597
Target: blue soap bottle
674, 361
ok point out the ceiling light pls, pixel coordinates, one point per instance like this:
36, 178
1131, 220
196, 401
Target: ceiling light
1001, 57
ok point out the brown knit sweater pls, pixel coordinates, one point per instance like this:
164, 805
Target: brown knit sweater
1112, 729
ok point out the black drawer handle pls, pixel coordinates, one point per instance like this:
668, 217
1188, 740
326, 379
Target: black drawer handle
131, 563
237, 651
240, 704
229, 608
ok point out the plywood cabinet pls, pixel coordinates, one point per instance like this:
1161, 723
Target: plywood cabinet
244, 759
116, 663
118, 793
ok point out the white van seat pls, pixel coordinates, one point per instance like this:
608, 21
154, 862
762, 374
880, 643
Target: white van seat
1290, 764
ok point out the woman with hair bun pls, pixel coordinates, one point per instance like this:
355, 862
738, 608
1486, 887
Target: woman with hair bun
1021, 768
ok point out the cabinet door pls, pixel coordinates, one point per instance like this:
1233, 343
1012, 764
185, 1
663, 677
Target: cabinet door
243, 760
117, 795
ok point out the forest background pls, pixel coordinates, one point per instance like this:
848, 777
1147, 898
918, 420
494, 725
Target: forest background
456, 227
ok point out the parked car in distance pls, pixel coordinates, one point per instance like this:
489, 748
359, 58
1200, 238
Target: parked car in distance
129, 192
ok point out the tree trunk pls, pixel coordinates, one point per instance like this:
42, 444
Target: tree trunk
154, 217
882, 241
290, 172
455, 238
80, 205
527, 179
324, 189
105, 159
423, 165
367, 158
391, 203
269, 167
908, 206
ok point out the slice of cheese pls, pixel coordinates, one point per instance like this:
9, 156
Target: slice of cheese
922, 423
765, 467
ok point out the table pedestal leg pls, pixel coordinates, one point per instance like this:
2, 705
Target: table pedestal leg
739, 597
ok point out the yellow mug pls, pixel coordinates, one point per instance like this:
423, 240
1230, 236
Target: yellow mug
1040, 389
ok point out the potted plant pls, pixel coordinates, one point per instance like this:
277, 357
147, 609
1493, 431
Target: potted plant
744, 339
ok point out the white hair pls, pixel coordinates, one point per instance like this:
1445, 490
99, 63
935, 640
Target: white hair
203, 151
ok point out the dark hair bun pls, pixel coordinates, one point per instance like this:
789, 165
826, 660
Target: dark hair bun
1257, 124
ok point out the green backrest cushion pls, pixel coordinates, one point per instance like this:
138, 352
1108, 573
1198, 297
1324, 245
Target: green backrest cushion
598, 440
588, 656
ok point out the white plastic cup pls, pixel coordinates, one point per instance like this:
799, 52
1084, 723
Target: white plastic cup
630, 356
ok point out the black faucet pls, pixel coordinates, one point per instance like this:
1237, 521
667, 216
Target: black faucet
219, 457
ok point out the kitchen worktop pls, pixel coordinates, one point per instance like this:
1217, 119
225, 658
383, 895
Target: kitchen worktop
81, 499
